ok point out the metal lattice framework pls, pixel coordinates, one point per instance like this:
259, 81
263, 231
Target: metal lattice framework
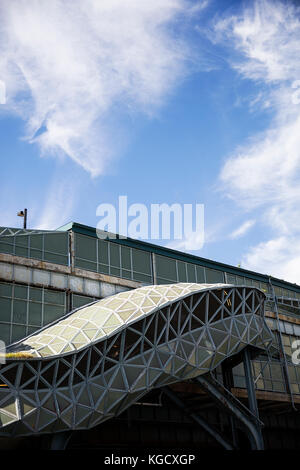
8, 231
99, 359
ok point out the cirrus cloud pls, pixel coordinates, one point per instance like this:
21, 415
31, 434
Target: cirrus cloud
69, 65
264, 175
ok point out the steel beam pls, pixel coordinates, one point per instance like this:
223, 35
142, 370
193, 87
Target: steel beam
234, 407
228, 383
198, 419
252, 402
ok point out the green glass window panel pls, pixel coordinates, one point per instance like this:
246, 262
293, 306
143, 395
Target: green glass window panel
286, 340
292, 374
126, 274
20, 311
36, 242
166, 268
213, 276
266, 371
55, 258
88, 265
22, 241
103, 268
36, 254
114, 255
80, 300
260, 384
20, 292
278, 387
264, 287
7, 240
21, 251
115, 271
18, 332
276, 372
56, 243
5, 309
200, 274
268, 385
126, 258
5, 290
278, 291
5, 333
52, 312
162, 281
31, 330
238, 370
142, 277
239, 382
240, 281
141, 261
256, 368
103, 252
35, 314
85, 248
191, 272
286, 293
6, 247
36, 294
248, 282
21, 245
54, 297
181, 267
20, 306
231, 279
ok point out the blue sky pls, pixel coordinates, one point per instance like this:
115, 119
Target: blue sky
175, 101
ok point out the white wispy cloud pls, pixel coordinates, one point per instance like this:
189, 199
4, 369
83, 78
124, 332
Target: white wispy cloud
265, 173
191, 242
71, 67
280, 256
57, 205
46, 211
242, 229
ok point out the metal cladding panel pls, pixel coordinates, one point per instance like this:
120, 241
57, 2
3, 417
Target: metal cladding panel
214, 276
24, 309
110, 258
51, 247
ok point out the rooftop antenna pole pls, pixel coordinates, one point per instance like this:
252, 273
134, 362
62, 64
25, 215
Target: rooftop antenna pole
24, 215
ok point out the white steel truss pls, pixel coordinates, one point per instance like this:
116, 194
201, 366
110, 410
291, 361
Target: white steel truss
99, 359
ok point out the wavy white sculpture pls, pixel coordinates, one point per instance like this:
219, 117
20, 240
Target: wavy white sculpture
96, 361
